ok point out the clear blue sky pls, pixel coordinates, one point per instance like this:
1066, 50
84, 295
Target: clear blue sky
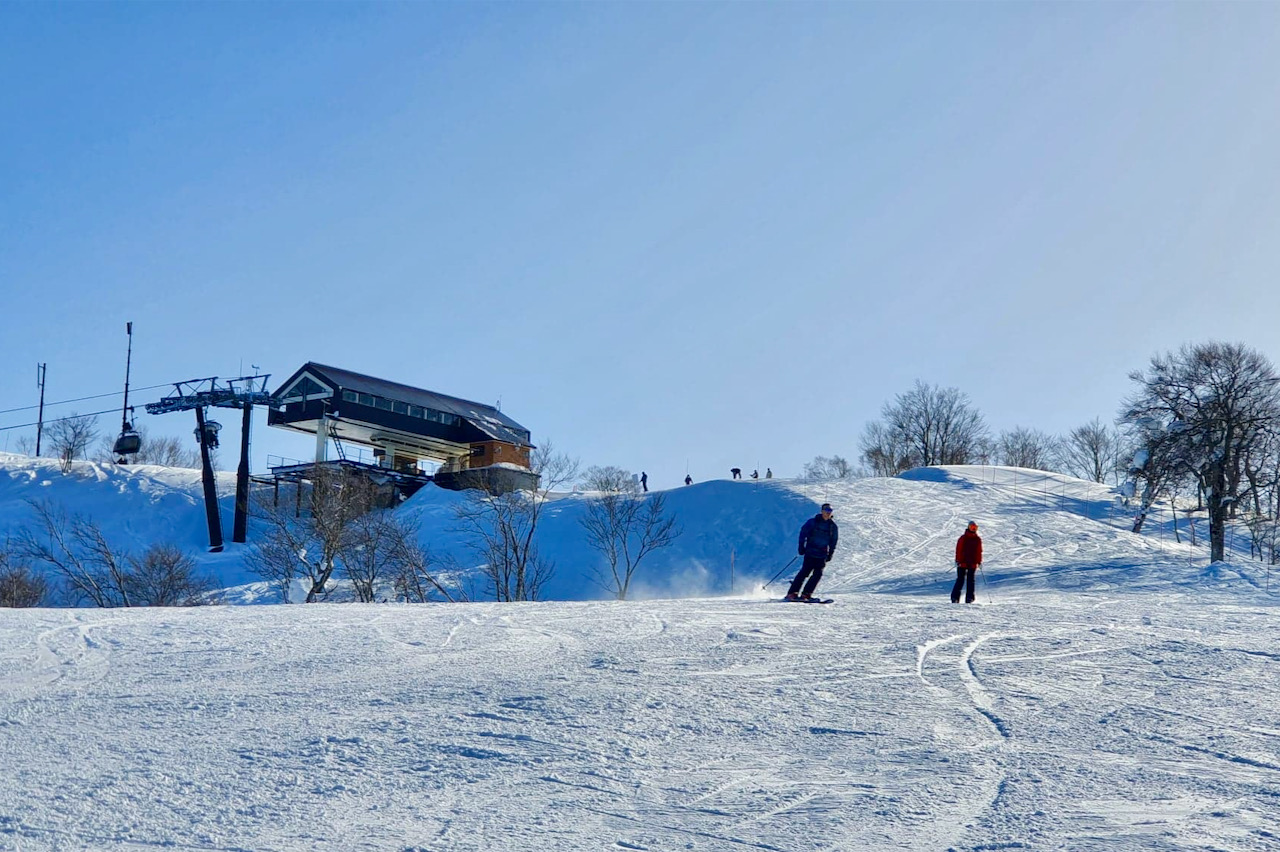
720, 234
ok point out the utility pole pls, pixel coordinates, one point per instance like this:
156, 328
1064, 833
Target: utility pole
40, 374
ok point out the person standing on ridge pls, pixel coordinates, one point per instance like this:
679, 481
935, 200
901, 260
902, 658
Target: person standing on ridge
688, 480
644, 481
768, 473
968, 558
736, 471
755, 474
818, 538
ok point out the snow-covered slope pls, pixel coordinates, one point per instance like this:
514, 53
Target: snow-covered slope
1041, 531
1106, 693
1098, 720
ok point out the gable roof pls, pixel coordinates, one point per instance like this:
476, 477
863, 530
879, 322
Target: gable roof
486, 418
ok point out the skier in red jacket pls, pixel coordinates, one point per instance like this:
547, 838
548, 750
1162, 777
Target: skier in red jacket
968, 558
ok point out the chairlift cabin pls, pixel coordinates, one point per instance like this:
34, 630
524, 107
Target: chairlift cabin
211, 430
128, 443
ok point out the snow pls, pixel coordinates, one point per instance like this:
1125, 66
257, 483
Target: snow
1108, 691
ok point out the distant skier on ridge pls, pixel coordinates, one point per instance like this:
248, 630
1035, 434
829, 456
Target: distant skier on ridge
968, 558
818, 538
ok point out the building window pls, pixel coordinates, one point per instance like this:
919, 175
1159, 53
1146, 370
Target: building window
415, 411
382, 402
401, 407
366, 399
350, 396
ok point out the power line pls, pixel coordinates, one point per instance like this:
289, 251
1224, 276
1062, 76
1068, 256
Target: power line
80, 399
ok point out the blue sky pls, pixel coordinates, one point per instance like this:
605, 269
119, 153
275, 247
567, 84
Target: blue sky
663, 234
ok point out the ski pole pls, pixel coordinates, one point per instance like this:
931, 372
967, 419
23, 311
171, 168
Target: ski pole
985, 584
780, 573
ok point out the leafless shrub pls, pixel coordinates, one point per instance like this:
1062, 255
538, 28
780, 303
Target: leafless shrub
167, 576
75, 550
20, 585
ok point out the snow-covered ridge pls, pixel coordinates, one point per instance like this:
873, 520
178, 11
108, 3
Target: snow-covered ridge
1042, 531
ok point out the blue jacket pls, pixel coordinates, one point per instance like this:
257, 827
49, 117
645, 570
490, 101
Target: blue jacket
818, 538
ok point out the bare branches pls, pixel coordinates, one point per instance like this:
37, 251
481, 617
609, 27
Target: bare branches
310, 548
927, 425
1206, 411
165, 575
75, 549
1030, 448
625, 527
825, 468
1091, 451
69, 437
502, 528
20, 585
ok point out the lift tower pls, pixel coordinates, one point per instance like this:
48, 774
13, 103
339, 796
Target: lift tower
199, 394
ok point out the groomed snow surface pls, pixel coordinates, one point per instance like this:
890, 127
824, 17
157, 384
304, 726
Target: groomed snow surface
1108, 691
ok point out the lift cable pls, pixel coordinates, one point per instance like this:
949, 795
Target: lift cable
79, 399
57, 419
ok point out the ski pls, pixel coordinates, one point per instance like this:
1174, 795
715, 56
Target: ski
810, 601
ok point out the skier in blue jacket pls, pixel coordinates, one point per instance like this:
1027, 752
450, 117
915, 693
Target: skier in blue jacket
818, 538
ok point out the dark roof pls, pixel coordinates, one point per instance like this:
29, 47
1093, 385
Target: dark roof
486, 418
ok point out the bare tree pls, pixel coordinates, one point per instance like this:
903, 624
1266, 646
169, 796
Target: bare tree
502, 528
608, 478
827, 467
885, 451
624, 526
165, 575
310, 548
927, 425
92, 569
1091, 451
1154, 465
413, 578
1031, 448
70, 437
26, 445
1216, 403
75, 549
20, 585
382, 547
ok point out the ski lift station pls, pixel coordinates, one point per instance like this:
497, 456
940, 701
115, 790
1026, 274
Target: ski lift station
475, 445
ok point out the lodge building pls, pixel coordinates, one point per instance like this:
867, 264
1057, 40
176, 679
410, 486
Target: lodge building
476, 445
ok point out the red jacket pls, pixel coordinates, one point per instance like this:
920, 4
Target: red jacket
969, 550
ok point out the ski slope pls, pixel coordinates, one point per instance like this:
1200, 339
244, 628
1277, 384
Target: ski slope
1042, 531
1108, 691
1050, 721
